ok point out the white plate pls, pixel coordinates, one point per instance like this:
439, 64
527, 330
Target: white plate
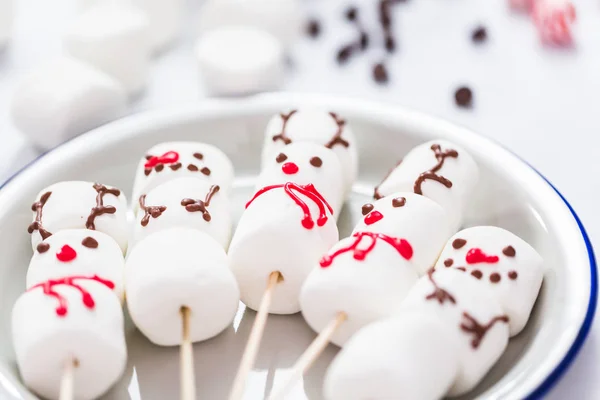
511, 194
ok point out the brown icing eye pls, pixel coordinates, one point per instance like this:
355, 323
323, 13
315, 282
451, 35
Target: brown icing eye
199, 156
281, 158
205, 171
458, 243
399, 202
192, 167
316, 162
509, 251
43, 247
90, 243
367, 208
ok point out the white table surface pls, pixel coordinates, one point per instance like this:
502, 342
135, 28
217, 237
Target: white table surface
542, 103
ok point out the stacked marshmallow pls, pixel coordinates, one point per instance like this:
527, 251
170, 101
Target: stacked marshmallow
453, 326
71, 312
182, 228
290, 221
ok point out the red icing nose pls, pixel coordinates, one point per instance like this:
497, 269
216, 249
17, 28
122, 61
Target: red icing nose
66, 254
373, 217
289, 168
475, 256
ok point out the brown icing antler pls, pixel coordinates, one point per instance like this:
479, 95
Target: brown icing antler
100, 208
431, 174
438, 293
337, 137
192, 205
36, 225
283, 135
150, 211
473, 327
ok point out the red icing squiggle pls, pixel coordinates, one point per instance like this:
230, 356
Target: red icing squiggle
402, 246
168, 158
307, 190
49, 290
476, 256
373, 217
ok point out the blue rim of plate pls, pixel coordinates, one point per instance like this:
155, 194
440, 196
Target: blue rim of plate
556, 374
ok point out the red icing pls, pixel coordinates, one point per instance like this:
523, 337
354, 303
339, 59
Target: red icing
66, 254
289, 168
402, 246
373, 217
306, 190
169, 157
476, 256
49, 290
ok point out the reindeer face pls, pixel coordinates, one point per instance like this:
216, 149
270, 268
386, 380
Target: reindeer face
500, 259
171, 160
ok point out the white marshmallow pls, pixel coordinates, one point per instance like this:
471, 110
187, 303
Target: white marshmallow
114, 37
412, 356
236, 60
417, 219
6, 21
165, 17
511, 269
65, 98
367, 281
78, 252
470, 309
74, 205
306, 163
171, 160
174, 268
164, 207
284, 19
59, 321
285, 229
459, 169
317, 126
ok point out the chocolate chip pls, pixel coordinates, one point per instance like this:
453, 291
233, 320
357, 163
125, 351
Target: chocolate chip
390, 44
344, 53
463, 269
351, 13
509, 251
364, 40
448, 262
495, 277
463, 97
477, 274
513, 275
159, 167
43, 247
148, 157
90, 242
199, 156
380, 73
281, 158
367, 208
458, 243
399, 202
175, 166
313, 28
192, 167
205, 171
147, 171
479, 35
316, 162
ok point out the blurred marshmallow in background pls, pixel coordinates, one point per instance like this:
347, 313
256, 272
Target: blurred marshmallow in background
64, 98
165, 17
115, 38
6, 17
239, 60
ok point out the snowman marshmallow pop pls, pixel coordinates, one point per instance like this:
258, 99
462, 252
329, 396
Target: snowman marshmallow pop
329, 298
68, 325
309, 162
179, 286
480, 293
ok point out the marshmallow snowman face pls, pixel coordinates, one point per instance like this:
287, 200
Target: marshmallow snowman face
77, 252
470, 311
316, 126
417, 220
306, 163
184, 202
79, 205
439, 170
171, 160
507, 265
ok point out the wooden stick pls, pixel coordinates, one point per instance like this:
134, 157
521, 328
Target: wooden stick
67, 380
310, 355
188, 384
251, 350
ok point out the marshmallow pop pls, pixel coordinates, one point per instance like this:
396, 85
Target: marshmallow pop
170, 160
440, 170
511, 269
184, 202
79, 205
69, 337
312, 125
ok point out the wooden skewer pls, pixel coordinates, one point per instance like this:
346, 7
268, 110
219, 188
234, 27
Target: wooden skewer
188, 384
310, 355
67, 381
255, 338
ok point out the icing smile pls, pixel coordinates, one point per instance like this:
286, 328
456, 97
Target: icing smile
476, 256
